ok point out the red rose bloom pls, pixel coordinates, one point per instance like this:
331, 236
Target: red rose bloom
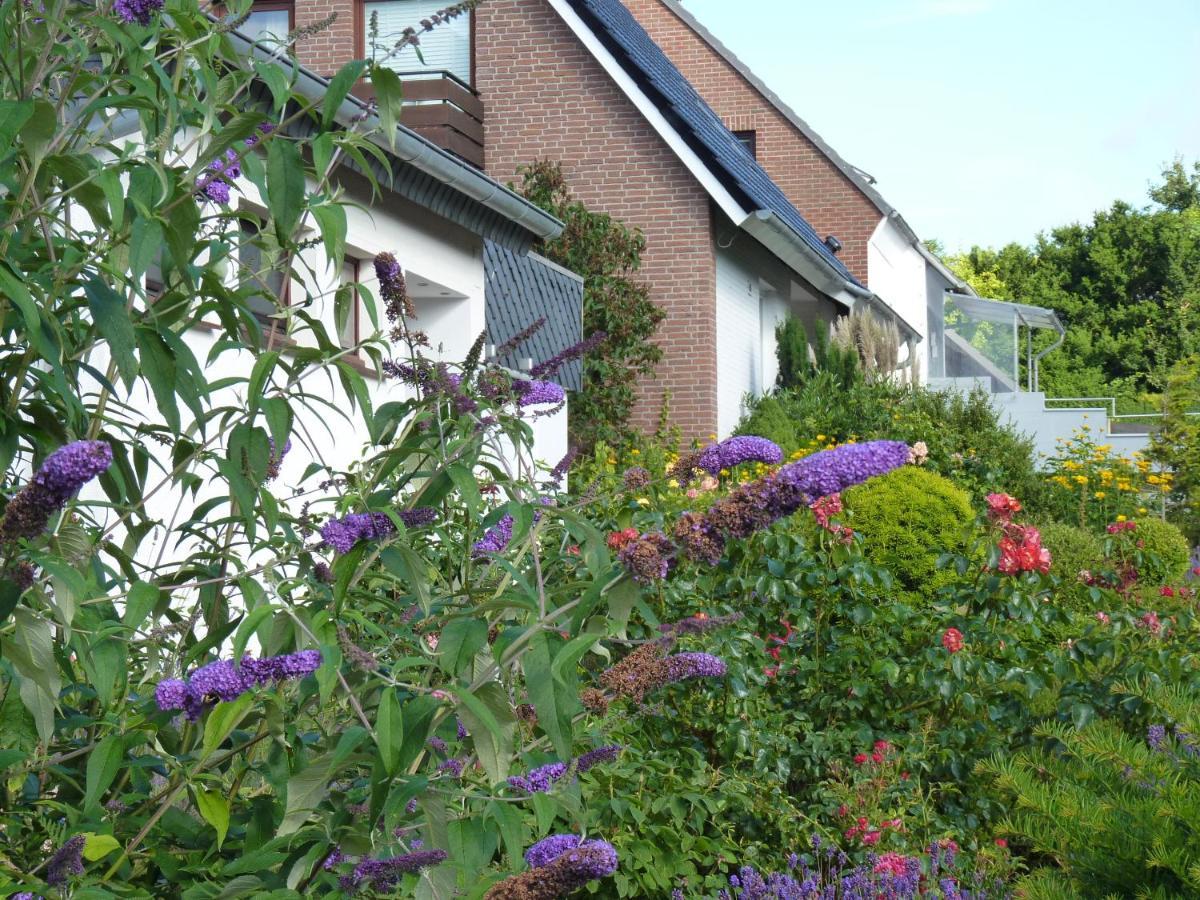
952, 640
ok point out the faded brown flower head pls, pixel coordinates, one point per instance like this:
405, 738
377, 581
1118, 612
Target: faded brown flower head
638, 673
594, 700
356, 655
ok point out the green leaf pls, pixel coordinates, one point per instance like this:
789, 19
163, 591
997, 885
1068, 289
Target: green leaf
276, 81
389, 99
38, 331
285, 187
38, 129
279, 419
305, 791
339, 86
1082, 714
102, 766
389, 730
541, 685
263, 366
158, 365
621, 599
331, 220
490, 719
113, 322
98, 846
418, 713
222, 720
459, 642
139, 603
13, 116
563, 667
145, 244
214, 807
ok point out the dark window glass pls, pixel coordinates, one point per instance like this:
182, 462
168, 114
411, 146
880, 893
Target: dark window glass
749, 140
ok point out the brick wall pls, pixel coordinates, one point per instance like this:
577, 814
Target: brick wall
816, 187
333, 47
545, 96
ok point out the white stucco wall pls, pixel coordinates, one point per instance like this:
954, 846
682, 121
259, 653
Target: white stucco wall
896, 273
754, 293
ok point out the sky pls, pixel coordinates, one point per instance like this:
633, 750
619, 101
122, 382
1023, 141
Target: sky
984, 121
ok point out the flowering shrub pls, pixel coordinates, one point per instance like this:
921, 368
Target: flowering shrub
1090, 484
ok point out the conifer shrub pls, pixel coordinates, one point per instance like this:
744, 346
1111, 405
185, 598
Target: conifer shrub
907, 519
1167, 555
770, 419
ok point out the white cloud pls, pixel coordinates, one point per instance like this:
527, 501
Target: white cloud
927, 10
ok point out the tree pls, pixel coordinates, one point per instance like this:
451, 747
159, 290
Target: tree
607, 254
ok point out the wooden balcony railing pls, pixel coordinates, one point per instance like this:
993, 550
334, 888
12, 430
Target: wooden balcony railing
443, 110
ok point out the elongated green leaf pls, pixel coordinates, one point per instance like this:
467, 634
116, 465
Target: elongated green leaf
158, 365
113, 322
389, 730
568, 657
305, 791
98, 846
339, 86
142, 599
13, 115
418, 715
458, 644
543, 691
145, 243
331, 220
490, 719
214, 807
221, 721
38, 330
389, 98
285, 187
103, 764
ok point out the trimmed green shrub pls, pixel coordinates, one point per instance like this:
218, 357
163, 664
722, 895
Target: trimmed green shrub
907, 519
771, 419
1072, 549
1165, 543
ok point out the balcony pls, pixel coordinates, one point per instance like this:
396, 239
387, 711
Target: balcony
442, 109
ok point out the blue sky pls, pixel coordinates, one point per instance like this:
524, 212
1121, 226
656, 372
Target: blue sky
984, 121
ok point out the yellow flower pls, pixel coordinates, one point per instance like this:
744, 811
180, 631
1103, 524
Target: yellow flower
1081, 479
635, 452
1099, 495
1153, 479
1120, 518
724, 473
612, 460
673, 484
642, 501
1142, 510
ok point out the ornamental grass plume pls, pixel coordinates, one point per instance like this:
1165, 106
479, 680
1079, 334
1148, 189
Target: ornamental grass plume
223, 681
59, 478
559, 864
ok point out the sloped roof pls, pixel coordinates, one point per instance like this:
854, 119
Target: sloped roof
519, 290
625, 38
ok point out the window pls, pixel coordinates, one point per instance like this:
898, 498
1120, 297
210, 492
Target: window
270, 21
260, 273
749, 140
445, 49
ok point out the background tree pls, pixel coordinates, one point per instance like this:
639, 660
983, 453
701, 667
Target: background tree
607, 254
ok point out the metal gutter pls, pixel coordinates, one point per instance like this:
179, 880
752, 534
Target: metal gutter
414, 150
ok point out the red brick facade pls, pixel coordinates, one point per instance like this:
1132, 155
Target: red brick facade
546, 96
817, 188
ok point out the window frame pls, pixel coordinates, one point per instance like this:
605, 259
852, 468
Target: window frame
748, 138
272, 6
268, 323
360, 37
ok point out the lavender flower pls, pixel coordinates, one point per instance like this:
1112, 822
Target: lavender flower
384, 873
59, 478
418, 517
397, 303
223, 681
275, 460
342, 534
682, 666
533, 392
736, 450
1156, 737
597, 756
461, 729
67, 861
139, 11
539, 780
334, 859
576, 351
496, 538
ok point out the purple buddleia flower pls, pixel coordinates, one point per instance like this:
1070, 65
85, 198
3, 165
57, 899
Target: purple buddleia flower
597, 756
280, 668
496, 538
220, 173
342, 534
275, 460
26, 895
461, 729
418, 517
453, 766
682, 666
648, 558
398, 304
263, 130
576, 351
548, 849
437, 744
635, 478
139, 11
57, 480
334, 859
171, 694
1186, 742
737, 450
223, 681
564, 465
67, 861
218, 680
539, 780
383, 874
534, 392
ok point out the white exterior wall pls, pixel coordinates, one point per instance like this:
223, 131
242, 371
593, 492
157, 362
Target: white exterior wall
896, 273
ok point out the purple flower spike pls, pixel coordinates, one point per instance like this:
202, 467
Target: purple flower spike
496, 538
539, 780
384, 873
418, 517
139, 11
548, 849
737, 450
597, 756
534, 392
60, 478
279, 668
66, 862
342, 534
218, 680
171, 694
682, 666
